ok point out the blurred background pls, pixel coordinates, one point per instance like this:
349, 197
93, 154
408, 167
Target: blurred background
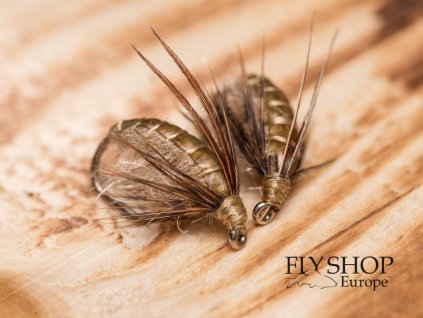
68, 72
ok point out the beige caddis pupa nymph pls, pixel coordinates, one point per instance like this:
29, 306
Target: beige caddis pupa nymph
152, 171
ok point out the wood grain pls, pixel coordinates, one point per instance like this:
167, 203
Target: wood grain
68, 73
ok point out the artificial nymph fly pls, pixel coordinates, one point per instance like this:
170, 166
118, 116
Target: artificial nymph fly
152, 171
264, 127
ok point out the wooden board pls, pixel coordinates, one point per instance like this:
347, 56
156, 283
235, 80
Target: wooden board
68, 73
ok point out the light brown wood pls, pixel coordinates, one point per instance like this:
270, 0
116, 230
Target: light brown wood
68, 73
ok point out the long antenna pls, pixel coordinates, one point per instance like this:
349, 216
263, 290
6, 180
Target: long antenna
314, 98
300, 96
261, 102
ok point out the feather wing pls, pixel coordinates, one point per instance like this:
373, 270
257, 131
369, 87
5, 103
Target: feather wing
260, 116
215, 128
155, 171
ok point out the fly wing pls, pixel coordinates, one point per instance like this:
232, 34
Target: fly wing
215, 129
238, 101
155, 171
261, 117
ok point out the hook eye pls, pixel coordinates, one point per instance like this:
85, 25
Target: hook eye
263, 213
237, 238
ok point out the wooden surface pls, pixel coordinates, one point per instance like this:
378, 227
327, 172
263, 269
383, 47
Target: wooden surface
68, 73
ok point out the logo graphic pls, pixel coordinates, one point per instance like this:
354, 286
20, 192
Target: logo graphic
312, 278
338, 271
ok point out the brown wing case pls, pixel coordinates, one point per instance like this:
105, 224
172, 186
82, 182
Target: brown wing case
155, 171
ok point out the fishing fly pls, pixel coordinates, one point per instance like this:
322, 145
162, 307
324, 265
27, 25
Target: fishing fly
264, 127
153, 171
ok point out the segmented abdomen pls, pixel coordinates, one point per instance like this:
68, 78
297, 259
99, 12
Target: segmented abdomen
278, 112
181, 149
